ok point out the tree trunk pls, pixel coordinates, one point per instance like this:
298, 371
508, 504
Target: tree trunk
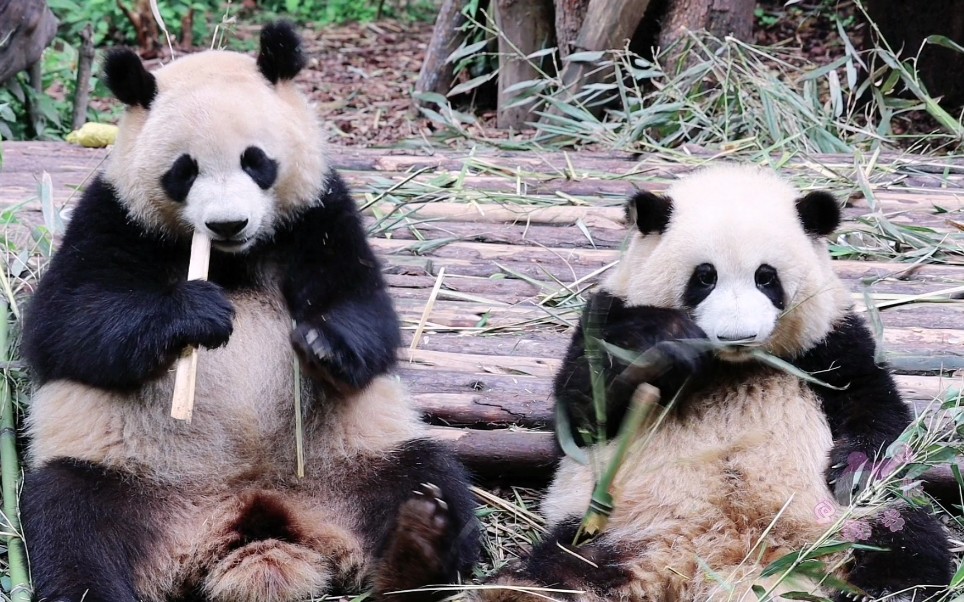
904, 25
436, 74
570, 15
719, 17
525, 26
612, 23
26, 28
85, 60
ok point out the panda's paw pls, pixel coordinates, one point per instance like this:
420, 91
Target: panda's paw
207, 318
325, 358
418, 552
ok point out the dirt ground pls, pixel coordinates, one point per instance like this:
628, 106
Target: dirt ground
362, 75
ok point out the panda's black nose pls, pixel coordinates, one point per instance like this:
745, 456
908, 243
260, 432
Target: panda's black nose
227, 229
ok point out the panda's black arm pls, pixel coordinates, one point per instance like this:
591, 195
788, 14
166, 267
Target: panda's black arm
346, 329
633, 328
113, 310
868, 414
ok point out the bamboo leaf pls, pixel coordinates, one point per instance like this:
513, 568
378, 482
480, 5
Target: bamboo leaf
472, 84
466, 50
586, 56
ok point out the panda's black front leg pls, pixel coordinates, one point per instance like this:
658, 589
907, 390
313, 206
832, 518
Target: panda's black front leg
865, 413
636, 330
915, 565
113, 311
87, 529
346, 331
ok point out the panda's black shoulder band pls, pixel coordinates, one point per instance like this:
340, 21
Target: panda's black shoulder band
819, 213
281, 56
127, 78
650, 212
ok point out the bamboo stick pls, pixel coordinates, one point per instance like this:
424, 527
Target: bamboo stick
185, 378
20, 590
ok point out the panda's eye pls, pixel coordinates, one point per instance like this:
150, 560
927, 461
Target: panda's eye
768, 282
705, 275
262, 169
765, 276
701, 283
177, 180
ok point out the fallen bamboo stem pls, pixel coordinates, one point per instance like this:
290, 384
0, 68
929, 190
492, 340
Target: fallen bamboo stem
185, 377
20, 590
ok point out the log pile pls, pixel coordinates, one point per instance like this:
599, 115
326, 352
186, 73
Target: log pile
518, 235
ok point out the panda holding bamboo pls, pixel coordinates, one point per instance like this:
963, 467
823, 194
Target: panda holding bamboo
122, 503
750, 463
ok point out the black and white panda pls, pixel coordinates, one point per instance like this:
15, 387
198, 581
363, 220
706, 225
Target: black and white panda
122, 503
739, 472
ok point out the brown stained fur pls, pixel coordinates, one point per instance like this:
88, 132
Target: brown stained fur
707, 485
412, 558
237, 456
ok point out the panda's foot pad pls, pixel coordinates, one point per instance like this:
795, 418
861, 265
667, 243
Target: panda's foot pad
417, 554
424, 519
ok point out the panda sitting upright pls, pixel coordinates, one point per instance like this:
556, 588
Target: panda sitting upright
738, 474
122, 503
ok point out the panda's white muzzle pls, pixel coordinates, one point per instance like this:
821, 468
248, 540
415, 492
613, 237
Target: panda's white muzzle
737, 314
231, 210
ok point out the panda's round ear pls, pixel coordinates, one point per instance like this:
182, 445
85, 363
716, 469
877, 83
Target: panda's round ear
650, 212
281, 56
819, 213
127, 78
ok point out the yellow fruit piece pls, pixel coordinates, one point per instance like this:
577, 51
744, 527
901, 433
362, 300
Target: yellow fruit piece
93, 135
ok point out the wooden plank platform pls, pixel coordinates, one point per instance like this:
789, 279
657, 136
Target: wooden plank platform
516, 238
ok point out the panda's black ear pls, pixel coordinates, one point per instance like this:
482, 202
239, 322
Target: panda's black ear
127, 78
819, 213
649, 211
281, 56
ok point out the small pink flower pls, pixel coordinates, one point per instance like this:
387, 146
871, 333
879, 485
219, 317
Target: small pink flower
855, 530
825, 511
892, 519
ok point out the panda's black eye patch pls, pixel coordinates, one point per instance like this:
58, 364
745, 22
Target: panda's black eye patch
768, 282
177, 180
262, 169
701, 283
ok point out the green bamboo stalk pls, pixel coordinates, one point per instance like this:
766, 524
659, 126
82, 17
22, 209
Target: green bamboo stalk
20, 590
594, 521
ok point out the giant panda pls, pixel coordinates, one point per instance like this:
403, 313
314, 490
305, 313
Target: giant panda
751, 462
122, 503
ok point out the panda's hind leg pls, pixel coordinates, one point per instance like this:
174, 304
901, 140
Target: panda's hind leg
87, 530
916, 562
431, 535
597, 569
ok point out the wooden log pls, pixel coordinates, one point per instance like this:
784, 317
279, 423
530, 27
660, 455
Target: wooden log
503, 453
525, 26
506, 406
436, 74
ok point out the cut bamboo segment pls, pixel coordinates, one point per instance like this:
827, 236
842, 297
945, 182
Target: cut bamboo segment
185, 377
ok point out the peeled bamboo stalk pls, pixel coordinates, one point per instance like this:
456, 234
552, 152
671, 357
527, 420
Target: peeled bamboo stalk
182, 406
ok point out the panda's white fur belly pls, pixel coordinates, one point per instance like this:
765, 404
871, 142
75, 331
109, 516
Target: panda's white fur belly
709, 484
243, 424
